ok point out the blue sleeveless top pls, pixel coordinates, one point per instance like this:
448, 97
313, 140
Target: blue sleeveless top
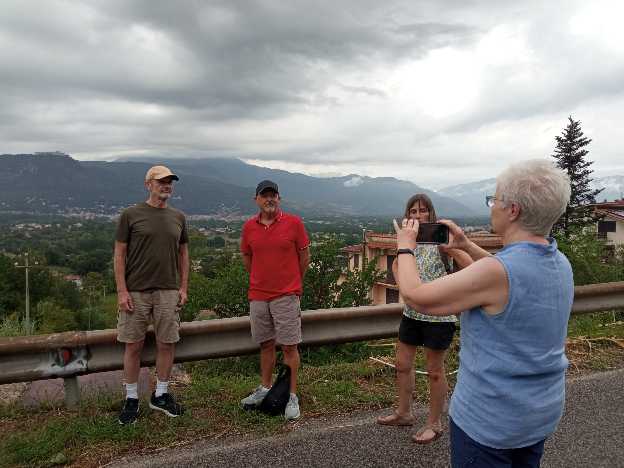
510, 388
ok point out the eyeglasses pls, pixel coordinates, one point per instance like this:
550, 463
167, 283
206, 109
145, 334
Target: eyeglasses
490, 199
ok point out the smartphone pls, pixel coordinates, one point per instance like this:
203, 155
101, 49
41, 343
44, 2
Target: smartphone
432, 233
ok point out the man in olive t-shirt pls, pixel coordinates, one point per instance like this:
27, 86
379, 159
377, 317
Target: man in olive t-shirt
151, 272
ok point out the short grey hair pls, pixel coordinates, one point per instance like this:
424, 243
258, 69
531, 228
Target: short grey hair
540, 189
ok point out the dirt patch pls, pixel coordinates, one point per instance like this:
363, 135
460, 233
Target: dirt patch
588, 355
12, 393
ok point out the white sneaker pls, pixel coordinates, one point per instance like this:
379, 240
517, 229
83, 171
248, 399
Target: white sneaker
292, 408
255, 398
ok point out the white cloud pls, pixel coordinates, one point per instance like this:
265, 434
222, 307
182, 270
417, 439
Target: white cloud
353, 182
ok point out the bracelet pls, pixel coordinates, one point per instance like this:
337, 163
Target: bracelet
405, 251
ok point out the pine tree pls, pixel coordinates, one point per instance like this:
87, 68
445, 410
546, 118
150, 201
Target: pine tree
570, 154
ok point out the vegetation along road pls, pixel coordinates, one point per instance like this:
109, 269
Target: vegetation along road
590, 434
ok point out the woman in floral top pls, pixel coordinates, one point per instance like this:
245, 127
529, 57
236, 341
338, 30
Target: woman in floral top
434, 333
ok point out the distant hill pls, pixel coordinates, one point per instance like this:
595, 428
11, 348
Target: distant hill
352, 194
473, 194
54, 182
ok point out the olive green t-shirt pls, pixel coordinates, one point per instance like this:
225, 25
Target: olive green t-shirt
153, 236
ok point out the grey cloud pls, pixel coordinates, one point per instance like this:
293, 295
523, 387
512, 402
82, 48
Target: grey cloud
81, 77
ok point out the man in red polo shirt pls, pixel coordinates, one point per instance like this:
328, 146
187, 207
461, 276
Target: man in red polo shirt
275, 248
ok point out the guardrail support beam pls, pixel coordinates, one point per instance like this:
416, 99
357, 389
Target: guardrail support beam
72, 391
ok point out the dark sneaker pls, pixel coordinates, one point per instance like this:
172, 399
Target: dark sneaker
129, 412
167, 404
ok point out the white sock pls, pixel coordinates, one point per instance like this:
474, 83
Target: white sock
293, 395
132, 390
265, 389
161, 387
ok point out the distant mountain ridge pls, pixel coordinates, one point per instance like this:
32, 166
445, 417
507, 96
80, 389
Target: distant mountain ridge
473, 194
55, 183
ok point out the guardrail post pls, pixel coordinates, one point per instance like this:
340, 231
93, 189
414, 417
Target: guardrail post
72, 391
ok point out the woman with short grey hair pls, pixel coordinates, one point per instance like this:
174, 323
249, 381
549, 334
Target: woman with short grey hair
510, 388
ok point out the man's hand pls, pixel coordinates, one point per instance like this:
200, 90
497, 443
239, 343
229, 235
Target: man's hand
457, 238
124, 301
183, 297
406, 234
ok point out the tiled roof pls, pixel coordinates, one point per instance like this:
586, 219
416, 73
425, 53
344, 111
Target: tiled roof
616, 214
614, 205
352, 248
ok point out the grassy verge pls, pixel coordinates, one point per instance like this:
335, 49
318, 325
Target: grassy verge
333, 380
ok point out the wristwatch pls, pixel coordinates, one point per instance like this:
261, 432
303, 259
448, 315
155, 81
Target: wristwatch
405, 251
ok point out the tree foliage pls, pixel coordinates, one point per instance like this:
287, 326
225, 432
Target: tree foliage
355, 290
328, 284
222, 286
225, 292
570, 153
320, 287
591, 260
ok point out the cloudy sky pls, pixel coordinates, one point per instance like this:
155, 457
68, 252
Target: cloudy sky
437, 92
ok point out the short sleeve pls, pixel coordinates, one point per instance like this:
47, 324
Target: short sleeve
184, 234
123, 228
302, 239
245, 248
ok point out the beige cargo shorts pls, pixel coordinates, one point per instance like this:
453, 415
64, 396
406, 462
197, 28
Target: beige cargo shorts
158, 307
279, 320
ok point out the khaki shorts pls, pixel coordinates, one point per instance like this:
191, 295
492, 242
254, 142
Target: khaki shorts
158, 307
279, 320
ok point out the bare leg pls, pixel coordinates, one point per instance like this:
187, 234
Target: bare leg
438, 386
267, 362
164, 360
402, 416
132, 361
405, 377
291, 358
438, 390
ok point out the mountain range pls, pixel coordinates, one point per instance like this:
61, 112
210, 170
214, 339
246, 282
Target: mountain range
57, 183
473, 194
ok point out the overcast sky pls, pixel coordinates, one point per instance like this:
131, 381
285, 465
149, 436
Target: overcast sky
437, 92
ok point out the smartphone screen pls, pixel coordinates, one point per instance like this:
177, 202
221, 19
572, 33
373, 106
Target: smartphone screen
432, 233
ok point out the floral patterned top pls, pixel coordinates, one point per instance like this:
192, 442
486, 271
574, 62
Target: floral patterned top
431, 267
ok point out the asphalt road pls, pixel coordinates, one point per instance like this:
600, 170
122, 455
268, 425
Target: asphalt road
591, 434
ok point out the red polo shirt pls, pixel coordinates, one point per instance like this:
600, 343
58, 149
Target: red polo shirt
274, 251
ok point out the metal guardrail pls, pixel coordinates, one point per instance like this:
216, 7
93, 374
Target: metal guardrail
71, 354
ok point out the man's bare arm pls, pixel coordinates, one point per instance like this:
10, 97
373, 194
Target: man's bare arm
184, 264
247, 262
304, 261
124, 301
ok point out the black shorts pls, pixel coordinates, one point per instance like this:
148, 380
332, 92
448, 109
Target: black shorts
432, 335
